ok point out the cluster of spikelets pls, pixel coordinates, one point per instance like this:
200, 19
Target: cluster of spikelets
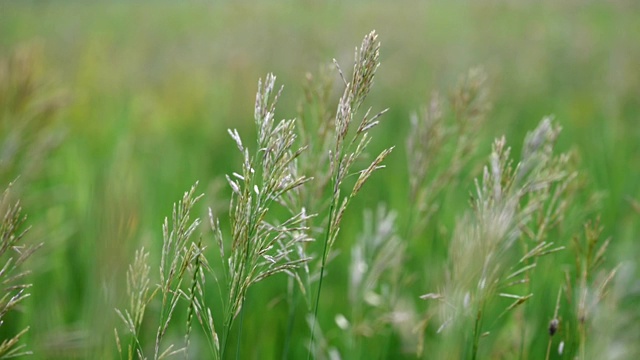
13, 254
300, 168
288, 201
257, 247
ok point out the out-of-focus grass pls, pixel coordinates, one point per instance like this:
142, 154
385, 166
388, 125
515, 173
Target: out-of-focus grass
153, 88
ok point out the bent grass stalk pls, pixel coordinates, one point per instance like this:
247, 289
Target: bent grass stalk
348, 149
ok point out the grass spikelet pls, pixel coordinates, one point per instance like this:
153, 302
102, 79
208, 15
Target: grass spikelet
374, 283
269, 178
13, 254
590, 283
180, 257
483, 255
348, 149
442, 141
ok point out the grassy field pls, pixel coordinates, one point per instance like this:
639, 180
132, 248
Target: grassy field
110, 112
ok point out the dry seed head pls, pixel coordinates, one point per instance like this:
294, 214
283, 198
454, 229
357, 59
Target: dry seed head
553, 326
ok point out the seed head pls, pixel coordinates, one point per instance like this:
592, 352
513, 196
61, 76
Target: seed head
553, 326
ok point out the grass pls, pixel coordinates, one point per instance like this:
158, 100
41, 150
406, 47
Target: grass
489, 233
14, 253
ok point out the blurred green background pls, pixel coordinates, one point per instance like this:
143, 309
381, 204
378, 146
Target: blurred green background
147, 90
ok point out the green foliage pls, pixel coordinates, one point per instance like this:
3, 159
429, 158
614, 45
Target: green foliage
308, 250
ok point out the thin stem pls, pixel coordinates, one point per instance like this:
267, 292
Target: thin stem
227, 331
583, 340
192, 295
322, 266
240, 332
555, 317
253, 226
476, 333
384, 350
290, 321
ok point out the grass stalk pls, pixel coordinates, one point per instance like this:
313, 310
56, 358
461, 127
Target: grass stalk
348, 148
322, 267
14, 289
476, 334
553, 324
259, 248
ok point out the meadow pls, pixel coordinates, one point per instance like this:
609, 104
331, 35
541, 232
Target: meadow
487, 206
